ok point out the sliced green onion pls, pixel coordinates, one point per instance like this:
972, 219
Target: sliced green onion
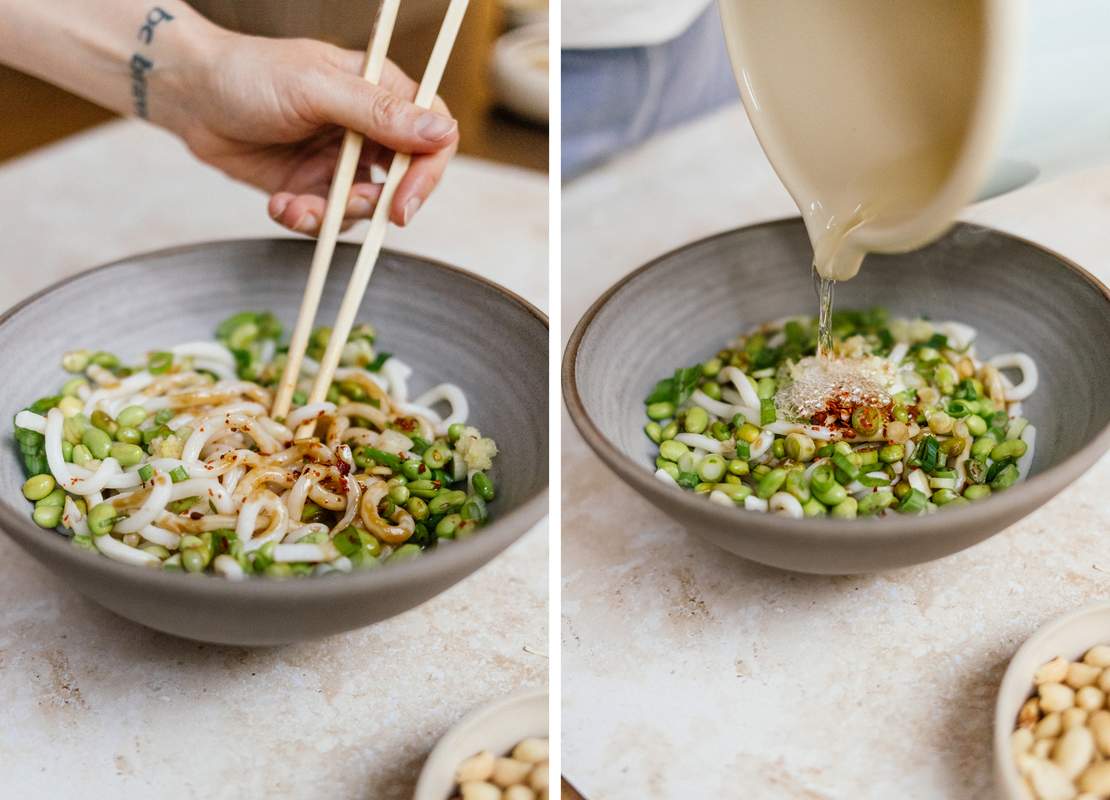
767, 411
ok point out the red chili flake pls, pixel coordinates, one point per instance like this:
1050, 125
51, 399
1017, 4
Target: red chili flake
838, 411
343, 468
195, 515
422, 469
406, 423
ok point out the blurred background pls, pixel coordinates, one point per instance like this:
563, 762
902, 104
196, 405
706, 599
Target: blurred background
495, 84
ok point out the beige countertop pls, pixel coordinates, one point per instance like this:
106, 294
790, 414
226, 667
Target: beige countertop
690, 673
94, 706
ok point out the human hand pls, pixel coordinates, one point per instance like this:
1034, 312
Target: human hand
272, 113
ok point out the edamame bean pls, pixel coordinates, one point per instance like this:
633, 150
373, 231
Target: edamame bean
712, 390
748, 433
977, 491
445, 528
56, 498
81, 455
98, 442
455, 431
892, 453
976, 425
399, 494
483, 486
660, 411
943, 497
405, 552
131, 417
1006, 478
129, 436
76, 360
37, 487
67, 451
738, 466
983, 446
770, 483
128, 455
411, 468
845, 509
874, 503
736, 492
101, 519
673, 450
654, 432
697, 420
423, 488
1011, 448
104, 422
940, 422
70, 406
832, 494
73, 427
417, 508
814, 508
445, 501
670, 430
47, 516
193, 559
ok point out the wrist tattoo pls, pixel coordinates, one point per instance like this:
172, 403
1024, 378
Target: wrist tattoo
141, 65
153, 18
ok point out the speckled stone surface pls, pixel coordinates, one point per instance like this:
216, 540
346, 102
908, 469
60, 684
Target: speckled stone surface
691, 673
94, 706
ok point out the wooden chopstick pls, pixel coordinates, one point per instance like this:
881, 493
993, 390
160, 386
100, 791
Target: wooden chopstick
336, 207
379, 222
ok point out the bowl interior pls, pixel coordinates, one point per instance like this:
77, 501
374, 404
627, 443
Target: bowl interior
497, 727
446, 324
683, 307
1069, 636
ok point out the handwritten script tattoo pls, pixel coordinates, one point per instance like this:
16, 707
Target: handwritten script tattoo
156, 15
141, 65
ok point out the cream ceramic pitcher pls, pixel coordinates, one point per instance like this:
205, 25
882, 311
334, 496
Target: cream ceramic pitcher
883, 119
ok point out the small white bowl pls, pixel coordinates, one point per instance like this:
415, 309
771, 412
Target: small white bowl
496, 727
1069, 636
519, 70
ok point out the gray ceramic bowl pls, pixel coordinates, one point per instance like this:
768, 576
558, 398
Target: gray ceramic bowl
684, 306
448, 324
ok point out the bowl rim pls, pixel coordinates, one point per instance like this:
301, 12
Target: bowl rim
503, 531
493, 708
1006, 774
1047, 483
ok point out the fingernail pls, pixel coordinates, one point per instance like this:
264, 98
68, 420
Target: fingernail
359, 206
434, 127
280, 204
411, 207
306, 224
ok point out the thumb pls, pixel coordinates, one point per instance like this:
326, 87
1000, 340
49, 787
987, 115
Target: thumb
384, 117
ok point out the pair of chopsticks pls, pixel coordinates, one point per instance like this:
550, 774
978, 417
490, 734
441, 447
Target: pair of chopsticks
337, 204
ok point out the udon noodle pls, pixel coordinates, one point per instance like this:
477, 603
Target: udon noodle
904, 417
178, 465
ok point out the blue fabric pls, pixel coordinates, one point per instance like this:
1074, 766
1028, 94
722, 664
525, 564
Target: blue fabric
615, 98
